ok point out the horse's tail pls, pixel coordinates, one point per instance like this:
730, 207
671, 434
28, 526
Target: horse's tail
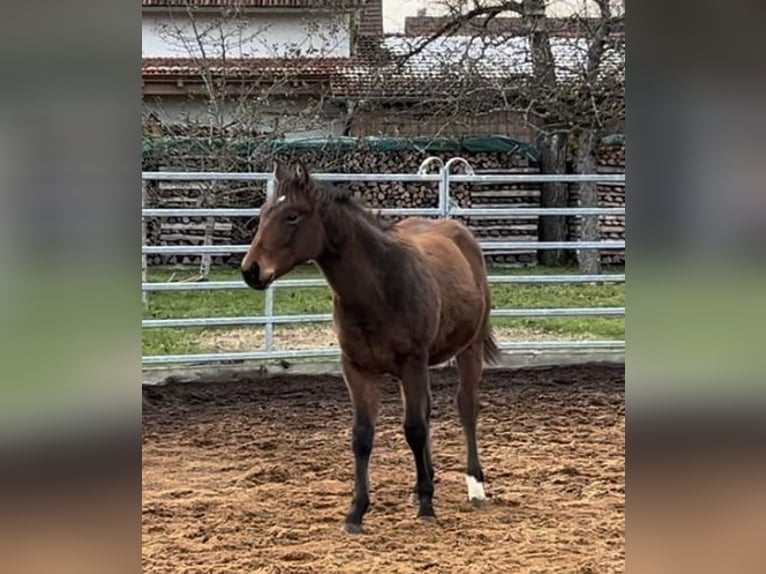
492, 352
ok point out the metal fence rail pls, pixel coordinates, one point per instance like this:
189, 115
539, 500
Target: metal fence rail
335, 352
308, 283
326, 317
444, 209
485, 245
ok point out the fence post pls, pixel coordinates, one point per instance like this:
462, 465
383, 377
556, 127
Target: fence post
444, 193
445, 175
208, 200
423, 169
268, 304
144, 262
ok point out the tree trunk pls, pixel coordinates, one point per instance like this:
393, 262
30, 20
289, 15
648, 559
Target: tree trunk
589, 259
553, 159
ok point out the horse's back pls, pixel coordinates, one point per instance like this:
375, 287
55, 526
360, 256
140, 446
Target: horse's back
446, 243
456, 263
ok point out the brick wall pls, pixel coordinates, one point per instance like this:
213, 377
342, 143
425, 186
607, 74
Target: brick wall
371, 18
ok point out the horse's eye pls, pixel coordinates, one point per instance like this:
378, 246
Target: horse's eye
292, 219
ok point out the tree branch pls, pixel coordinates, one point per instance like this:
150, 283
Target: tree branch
596, 44
458, 21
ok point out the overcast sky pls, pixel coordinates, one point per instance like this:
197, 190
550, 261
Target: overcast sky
394, 12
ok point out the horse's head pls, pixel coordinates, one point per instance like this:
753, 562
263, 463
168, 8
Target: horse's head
290, 230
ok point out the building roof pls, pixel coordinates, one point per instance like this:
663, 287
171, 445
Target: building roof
190, 69
506, 26
450, 61
164, 76
282, 4
243, 67
380, 69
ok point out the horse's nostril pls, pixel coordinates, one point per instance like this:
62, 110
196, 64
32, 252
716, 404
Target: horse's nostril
251, 271
250, 275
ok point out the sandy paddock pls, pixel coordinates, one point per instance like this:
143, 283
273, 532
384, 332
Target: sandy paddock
256, 475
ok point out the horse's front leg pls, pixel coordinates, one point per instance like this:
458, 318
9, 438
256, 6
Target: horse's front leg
429, 463
417, 413
363, 389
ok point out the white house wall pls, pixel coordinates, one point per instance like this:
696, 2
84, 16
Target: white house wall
250, 36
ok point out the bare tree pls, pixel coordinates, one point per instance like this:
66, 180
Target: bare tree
246, 90
564, 75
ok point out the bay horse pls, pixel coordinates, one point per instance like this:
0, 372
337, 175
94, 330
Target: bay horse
405, 297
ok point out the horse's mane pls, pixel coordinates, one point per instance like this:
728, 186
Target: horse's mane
333, 197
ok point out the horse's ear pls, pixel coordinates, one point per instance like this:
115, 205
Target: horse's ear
280, 173
301, 173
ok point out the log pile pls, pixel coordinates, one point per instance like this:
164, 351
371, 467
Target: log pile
192, 230
377, 195
612, 156
506, 195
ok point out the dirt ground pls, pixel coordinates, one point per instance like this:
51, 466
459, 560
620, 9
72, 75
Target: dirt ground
321, 335
256, 476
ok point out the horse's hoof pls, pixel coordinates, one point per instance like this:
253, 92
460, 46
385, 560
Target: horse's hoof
478, 502
429, 518
352, 528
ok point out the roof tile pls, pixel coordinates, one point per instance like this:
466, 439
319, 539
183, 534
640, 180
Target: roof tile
252, 3
379, 68
247, 67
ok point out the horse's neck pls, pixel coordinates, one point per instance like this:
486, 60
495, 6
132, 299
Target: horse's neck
354, 258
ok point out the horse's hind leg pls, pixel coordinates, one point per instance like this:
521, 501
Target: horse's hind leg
364, 391
470, 366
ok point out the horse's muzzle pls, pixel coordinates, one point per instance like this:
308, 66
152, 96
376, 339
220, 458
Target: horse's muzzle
254, 277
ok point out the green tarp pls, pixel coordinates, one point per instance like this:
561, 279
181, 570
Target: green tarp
472, 144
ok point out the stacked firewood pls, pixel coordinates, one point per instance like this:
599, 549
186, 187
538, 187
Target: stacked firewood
612, 156
376, 195
193, 230
506, 195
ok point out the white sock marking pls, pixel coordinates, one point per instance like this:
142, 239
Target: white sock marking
475, 488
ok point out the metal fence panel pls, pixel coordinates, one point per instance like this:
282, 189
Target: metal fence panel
444, 209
